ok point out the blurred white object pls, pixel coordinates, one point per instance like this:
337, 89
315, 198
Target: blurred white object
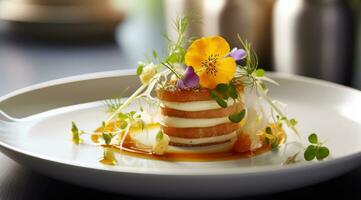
314, 38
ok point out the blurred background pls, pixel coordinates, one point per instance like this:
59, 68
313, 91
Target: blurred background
42, 40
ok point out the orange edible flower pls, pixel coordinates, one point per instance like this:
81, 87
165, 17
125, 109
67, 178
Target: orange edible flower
209, 58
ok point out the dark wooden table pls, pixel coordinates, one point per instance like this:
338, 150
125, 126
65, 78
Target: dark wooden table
25, 61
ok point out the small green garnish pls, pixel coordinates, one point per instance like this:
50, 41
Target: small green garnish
316, 149
155, 54
218, 99
159, 136
172, 58
232, 91
269, 130
259, 73
140, 68
222, 92
107, 137
236, 118
222, 88
313, 138
322, 153
76, 133
293, 122
227, 90
124, 125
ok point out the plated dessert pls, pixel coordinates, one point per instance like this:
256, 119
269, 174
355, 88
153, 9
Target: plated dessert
202, 102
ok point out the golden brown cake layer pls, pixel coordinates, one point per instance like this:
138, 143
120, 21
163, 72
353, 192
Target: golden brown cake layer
187, 95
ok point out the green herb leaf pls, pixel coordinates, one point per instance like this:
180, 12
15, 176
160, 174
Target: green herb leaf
132, 113
74, 128
236, 118
122, 116
268, 130
75, 133
275, 144
140, 69
259, 73
310, 153
293, 122
322, 153
159, 136
107, 137
213, 94
222, 88
313, 138
155, 55
173, 58
124, 125
232, 91
221, 102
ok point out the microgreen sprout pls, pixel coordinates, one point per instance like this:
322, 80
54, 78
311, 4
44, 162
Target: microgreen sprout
114, 103
316, 149
223, 92
271, 136
159, 136
76, 133
237, 117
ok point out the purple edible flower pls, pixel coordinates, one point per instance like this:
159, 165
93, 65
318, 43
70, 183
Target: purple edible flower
189, 79
238, 54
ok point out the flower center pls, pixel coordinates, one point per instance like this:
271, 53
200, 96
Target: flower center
210, 64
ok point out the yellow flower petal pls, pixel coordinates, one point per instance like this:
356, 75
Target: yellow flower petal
226, 68
202, 48
219, 46
208, 58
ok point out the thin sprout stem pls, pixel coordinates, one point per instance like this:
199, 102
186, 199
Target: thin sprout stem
124, 136
127, 102
279, 112
171, 69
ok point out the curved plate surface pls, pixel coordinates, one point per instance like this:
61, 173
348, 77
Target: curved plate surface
41, 140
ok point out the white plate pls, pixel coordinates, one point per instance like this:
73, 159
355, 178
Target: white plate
41, 141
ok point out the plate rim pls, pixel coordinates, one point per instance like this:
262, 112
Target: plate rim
178, 172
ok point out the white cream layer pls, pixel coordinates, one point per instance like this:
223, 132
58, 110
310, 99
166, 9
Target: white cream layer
178, 122
216, 148
205, 140
194, 105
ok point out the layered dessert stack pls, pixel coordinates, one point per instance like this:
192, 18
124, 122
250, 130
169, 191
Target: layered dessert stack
190, 117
